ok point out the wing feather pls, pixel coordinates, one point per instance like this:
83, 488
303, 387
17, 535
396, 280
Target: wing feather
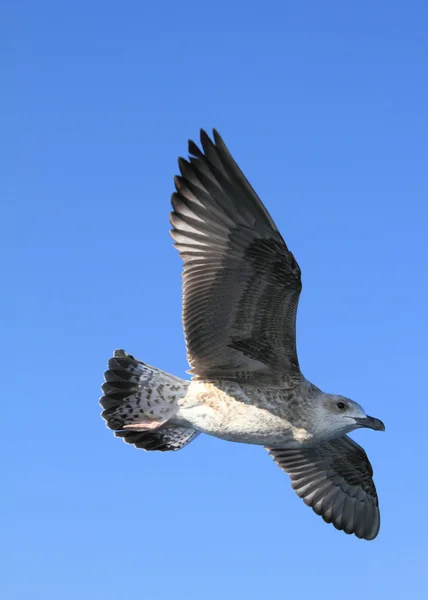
336, 480
241, 284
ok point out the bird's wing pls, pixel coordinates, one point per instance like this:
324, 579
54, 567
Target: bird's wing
241, 284
335, 479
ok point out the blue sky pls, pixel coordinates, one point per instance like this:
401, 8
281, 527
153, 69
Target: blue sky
324, 105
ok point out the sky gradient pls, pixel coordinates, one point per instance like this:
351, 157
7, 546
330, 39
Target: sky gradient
324, 106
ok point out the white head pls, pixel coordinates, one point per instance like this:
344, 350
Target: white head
338, 415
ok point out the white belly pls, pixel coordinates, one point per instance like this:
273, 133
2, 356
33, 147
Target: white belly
235, 418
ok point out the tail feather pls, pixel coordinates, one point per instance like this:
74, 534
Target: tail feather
136, 394
173, 438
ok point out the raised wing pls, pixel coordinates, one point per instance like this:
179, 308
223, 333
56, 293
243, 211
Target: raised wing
335, 479
241, 284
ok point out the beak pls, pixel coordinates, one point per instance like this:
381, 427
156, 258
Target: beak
371, 423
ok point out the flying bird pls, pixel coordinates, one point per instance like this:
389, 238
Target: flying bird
241, 288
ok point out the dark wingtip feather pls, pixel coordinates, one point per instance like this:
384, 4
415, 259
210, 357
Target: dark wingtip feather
194, 150
181, 160
217, 137
206, 141
178, 182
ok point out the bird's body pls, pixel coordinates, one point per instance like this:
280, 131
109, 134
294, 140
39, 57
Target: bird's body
263, 415
241, 287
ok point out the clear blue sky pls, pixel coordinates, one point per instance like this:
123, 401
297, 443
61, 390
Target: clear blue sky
324, 105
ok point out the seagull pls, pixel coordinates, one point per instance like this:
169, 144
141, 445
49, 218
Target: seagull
241, 288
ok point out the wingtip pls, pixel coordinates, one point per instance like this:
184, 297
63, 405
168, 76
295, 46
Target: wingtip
205, 140
219, 142
193, 149
182, 162
178, 182
216, 134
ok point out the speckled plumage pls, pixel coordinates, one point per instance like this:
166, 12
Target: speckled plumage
241, 287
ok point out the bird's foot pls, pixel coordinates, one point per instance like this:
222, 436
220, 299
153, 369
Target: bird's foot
145, 425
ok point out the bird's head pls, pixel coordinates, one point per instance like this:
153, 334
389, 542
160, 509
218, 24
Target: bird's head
341, 415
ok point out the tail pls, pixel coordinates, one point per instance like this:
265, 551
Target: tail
140, 403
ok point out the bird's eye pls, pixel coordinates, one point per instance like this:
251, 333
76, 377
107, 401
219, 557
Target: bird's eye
341, 405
